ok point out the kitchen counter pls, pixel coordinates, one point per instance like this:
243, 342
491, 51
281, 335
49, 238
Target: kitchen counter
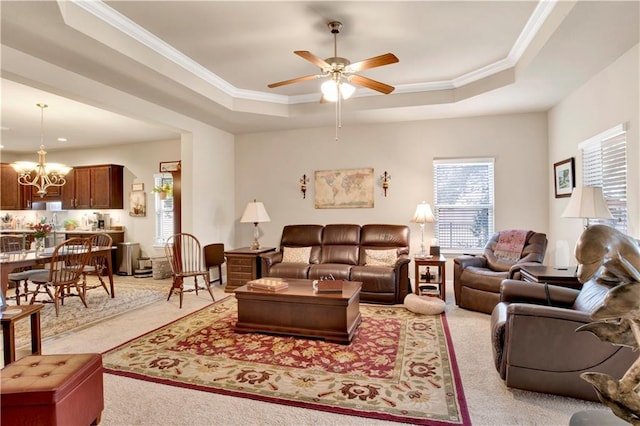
62, 231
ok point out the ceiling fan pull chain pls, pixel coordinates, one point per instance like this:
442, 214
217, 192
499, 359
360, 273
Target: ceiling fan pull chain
337, 117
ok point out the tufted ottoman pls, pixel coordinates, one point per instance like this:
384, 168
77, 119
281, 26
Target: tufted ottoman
63, 389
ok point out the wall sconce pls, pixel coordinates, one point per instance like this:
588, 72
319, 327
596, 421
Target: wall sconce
303, 185
385, 178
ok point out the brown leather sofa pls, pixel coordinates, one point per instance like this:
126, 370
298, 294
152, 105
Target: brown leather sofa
341, 250
536, 347
476, 279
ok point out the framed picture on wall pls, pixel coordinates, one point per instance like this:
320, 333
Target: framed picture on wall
564, 177
169, 166
137, 203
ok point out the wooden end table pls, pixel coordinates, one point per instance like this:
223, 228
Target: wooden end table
565, 277
423, 272
243, 264
8, 320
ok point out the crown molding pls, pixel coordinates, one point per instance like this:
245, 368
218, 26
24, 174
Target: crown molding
110, 16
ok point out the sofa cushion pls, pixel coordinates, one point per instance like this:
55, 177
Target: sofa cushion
376, 279
339, 271
303, 236
381, 257
341, 244
290, 270
296, 254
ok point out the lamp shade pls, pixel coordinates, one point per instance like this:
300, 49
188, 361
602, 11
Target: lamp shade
587, 202
423, 214
255, 213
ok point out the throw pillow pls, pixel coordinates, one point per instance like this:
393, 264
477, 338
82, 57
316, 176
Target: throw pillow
380, 257
296, 254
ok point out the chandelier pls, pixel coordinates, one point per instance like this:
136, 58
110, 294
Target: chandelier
40, 174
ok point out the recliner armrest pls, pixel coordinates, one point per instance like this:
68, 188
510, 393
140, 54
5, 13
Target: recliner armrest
514, 270
467, 260
513, 291
271, 258
551, 312
402, 259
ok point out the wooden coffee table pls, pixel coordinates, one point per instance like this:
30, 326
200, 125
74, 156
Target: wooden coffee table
298, 311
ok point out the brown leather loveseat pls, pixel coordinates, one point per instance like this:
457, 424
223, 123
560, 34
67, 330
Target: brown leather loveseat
376, 255
535, 343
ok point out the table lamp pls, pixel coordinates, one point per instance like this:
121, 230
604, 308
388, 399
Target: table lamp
423, 215
255, 213
587, 202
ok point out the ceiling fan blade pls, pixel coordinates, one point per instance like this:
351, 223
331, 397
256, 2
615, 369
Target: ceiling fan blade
377, 61
312, 58
371, 84
293, 80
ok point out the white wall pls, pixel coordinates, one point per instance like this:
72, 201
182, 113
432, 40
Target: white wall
269, 166
608, 99
208, 185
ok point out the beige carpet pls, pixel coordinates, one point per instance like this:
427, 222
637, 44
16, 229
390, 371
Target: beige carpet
136, 402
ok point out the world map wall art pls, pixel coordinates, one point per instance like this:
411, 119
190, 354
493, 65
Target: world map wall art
344, 189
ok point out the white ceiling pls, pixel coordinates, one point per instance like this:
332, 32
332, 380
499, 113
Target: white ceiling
211, 61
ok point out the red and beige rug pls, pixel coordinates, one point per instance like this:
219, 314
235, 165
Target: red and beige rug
400, 366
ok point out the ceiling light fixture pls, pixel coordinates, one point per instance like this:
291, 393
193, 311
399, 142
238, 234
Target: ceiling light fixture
331, 89
40, 174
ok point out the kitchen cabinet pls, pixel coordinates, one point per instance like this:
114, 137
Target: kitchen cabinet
54, 193
13, 196
94, 187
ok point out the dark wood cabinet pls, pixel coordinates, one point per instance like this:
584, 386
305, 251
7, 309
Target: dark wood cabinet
94, 187
13, 196
54, 193
106, 187
243, 265
82, 180
68, 192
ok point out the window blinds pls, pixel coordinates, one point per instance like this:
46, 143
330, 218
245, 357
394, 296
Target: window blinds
464, 202
164, 211
604, 164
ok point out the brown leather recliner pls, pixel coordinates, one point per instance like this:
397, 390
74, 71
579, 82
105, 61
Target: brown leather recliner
536, 347
476, 279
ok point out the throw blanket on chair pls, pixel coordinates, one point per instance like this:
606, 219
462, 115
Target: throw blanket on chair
510, 245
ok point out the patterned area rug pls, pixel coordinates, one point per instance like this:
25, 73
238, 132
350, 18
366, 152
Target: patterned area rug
130, 293
400, 366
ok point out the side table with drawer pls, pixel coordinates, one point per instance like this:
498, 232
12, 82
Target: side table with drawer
565, 277
243, 264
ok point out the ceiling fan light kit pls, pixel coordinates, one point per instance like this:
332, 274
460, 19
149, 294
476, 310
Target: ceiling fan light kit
332, 89
341, 72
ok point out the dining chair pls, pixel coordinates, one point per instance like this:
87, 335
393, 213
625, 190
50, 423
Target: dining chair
67, 263
14, 243
98, 262
185, 257
214, 258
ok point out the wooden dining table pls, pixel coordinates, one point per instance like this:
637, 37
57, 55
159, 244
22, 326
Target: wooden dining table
10, 261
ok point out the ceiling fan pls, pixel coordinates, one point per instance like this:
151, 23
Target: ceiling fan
341, 71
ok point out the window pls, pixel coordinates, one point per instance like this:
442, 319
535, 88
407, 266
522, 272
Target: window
164, 210
463, 202
604, 164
